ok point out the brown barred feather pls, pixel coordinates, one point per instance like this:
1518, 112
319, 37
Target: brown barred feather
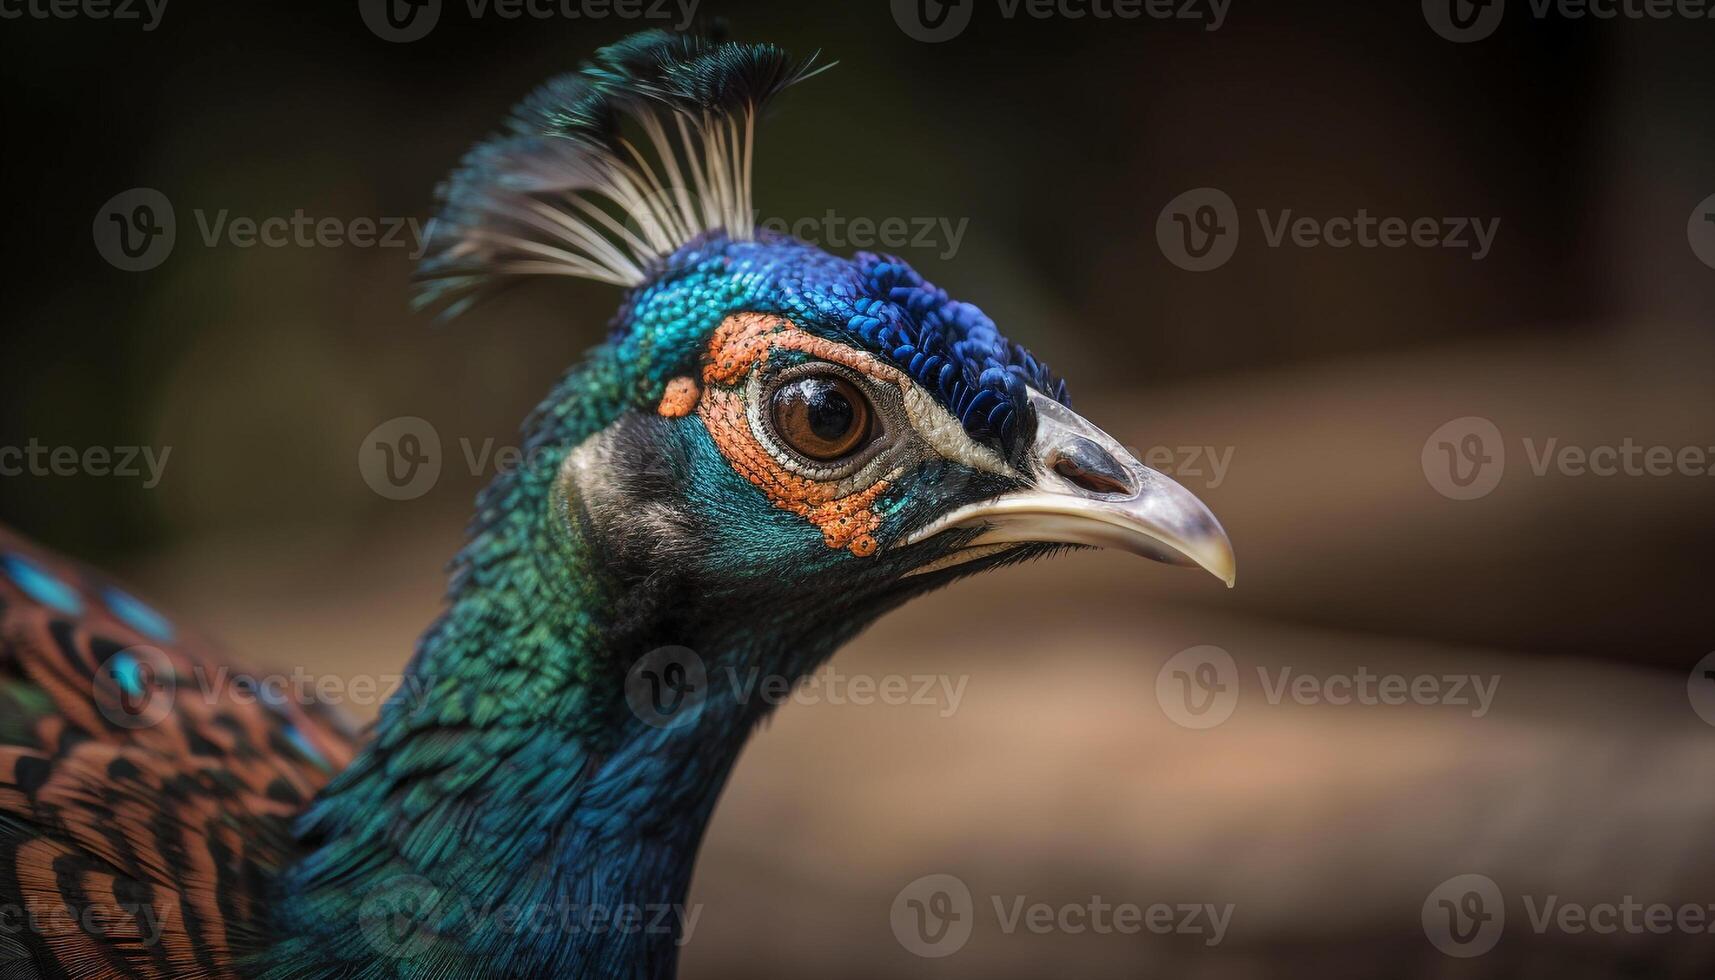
145, 793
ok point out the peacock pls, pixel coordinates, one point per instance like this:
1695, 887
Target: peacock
773, 446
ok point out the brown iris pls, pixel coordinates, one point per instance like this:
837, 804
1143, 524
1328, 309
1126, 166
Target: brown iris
824, 417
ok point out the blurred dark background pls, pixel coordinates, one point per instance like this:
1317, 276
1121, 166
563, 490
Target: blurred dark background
1060, 141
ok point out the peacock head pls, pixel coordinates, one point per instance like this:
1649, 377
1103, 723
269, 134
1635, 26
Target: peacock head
773, 436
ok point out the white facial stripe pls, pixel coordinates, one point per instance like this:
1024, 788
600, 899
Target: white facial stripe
937, 426
946, 436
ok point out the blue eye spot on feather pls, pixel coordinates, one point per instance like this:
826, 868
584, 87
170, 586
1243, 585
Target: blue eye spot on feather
42, 585
127, 673
137, 614
272, 696
304, 747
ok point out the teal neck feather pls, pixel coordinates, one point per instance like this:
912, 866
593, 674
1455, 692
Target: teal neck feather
509, 777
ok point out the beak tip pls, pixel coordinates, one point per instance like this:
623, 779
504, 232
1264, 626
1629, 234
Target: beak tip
1217, 559
1208, 548
1226, 572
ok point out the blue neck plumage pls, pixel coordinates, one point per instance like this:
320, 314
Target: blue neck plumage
515, 814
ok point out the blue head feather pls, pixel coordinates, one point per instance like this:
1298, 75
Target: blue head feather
876, 302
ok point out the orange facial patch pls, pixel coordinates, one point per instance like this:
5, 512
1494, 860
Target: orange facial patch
680, 398
740, 344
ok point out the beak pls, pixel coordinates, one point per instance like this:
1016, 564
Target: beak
1086, 489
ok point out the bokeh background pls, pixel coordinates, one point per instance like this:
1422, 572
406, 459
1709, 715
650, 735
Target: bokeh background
1057, 143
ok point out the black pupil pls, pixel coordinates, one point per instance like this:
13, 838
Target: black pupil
830, 413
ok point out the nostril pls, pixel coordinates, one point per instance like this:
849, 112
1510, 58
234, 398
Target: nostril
1094, 482
1091, 467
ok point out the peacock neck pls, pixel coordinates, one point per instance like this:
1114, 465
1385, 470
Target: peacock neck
537, 820
535, 795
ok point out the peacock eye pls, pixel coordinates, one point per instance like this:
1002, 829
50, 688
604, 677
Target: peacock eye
822, 416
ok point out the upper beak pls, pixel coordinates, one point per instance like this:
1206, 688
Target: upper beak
1086, 489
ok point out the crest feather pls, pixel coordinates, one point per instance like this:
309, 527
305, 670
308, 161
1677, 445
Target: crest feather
603, 173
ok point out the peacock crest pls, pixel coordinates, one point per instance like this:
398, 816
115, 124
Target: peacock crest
604, 172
